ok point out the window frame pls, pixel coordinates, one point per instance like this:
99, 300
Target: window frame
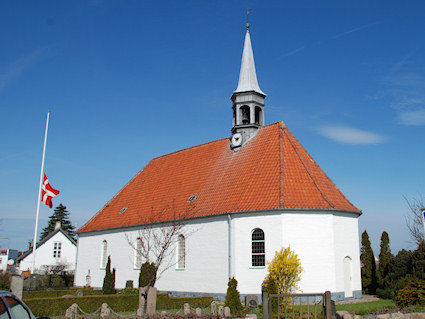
57, 249
181, 253
263, 248
103, 254
137, 253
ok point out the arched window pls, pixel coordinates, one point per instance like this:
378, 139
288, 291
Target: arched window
245, 114
138, 253
258, 115
258, 248
103, 254
181, 253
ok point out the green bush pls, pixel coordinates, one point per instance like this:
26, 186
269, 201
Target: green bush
385, 293
412, 294
119, 303
128, 291
4, 280
233, 299
147, 275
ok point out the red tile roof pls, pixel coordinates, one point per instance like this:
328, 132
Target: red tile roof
271, 171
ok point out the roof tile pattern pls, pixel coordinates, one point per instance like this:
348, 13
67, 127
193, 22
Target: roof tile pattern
271, 171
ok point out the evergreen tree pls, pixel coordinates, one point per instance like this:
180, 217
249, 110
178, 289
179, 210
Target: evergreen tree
367, 259
233, 298
109, 279
60, 214
418, 261
401, 266
385, 260
147, 275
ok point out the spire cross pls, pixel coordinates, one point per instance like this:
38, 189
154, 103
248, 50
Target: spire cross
248, 12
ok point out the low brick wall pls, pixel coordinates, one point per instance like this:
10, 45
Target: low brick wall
395, 315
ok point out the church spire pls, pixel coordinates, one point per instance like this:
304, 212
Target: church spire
248, 99
248, 75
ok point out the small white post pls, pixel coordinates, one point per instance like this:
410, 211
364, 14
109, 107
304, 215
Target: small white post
34, 242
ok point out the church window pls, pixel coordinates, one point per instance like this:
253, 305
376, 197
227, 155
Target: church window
258, 248
258, 115
181, 252
245, 114
104, 254
57, 247
138, 253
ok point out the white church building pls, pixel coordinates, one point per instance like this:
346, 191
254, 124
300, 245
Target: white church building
248, 195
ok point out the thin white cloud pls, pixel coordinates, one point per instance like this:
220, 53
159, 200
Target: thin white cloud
350, 135
354, 30
13, 70
412, 118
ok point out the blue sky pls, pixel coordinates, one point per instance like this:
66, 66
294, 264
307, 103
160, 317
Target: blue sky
127, 81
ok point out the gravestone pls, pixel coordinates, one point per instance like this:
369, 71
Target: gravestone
198, 312
79, 293
151, 301
105, 312
214, 308
17, 286
71, 312
186, 309
221, 311
251, 301
227, 312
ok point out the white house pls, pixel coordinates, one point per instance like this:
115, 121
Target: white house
58, 248
5, 256
243, 197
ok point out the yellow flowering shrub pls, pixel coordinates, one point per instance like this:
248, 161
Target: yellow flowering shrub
285, 273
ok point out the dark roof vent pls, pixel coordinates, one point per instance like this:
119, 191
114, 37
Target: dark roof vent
191, 198
123, 210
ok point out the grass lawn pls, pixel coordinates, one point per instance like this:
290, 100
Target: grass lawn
365, 308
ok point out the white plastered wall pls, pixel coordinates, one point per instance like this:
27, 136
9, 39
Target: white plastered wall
205, 265
321, 240
346, 238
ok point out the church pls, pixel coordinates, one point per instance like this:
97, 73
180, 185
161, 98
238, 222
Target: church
241, 199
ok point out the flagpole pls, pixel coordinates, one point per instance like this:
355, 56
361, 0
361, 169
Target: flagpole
34, 242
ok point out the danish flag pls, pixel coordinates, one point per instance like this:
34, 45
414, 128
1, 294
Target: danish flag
47, 192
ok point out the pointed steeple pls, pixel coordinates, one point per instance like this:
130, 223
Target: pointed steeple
248, 75
248, 99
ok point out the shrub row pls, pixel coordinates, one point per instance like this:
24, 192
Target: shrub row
119, 303
57, 293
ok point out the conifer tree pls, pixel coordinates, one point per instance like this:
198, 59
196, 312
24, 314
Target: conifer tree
109, 279
60, 214
233, 298
367, 259
385, 261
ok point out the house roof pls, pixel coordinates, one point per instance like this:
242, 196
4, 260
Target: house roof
271, 171
45, 240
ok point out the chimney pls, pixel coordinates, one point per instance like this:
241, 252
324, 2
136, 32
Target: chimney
58, 225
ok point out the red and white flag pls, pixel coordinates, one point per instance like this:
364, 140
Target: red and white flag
48, 192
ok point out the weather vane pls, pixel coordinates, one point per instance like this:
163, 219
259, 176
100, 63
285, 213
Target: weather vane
248, 12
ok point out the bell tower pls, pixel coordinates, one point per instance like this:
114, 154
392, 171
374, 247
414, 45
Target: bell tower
248, 99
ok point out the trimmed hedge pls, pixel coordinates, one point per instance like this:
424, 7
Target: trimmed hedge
119, 303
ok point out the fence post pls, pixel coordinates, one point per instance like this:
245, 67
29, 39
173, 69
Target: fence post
328, 305
265, 305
